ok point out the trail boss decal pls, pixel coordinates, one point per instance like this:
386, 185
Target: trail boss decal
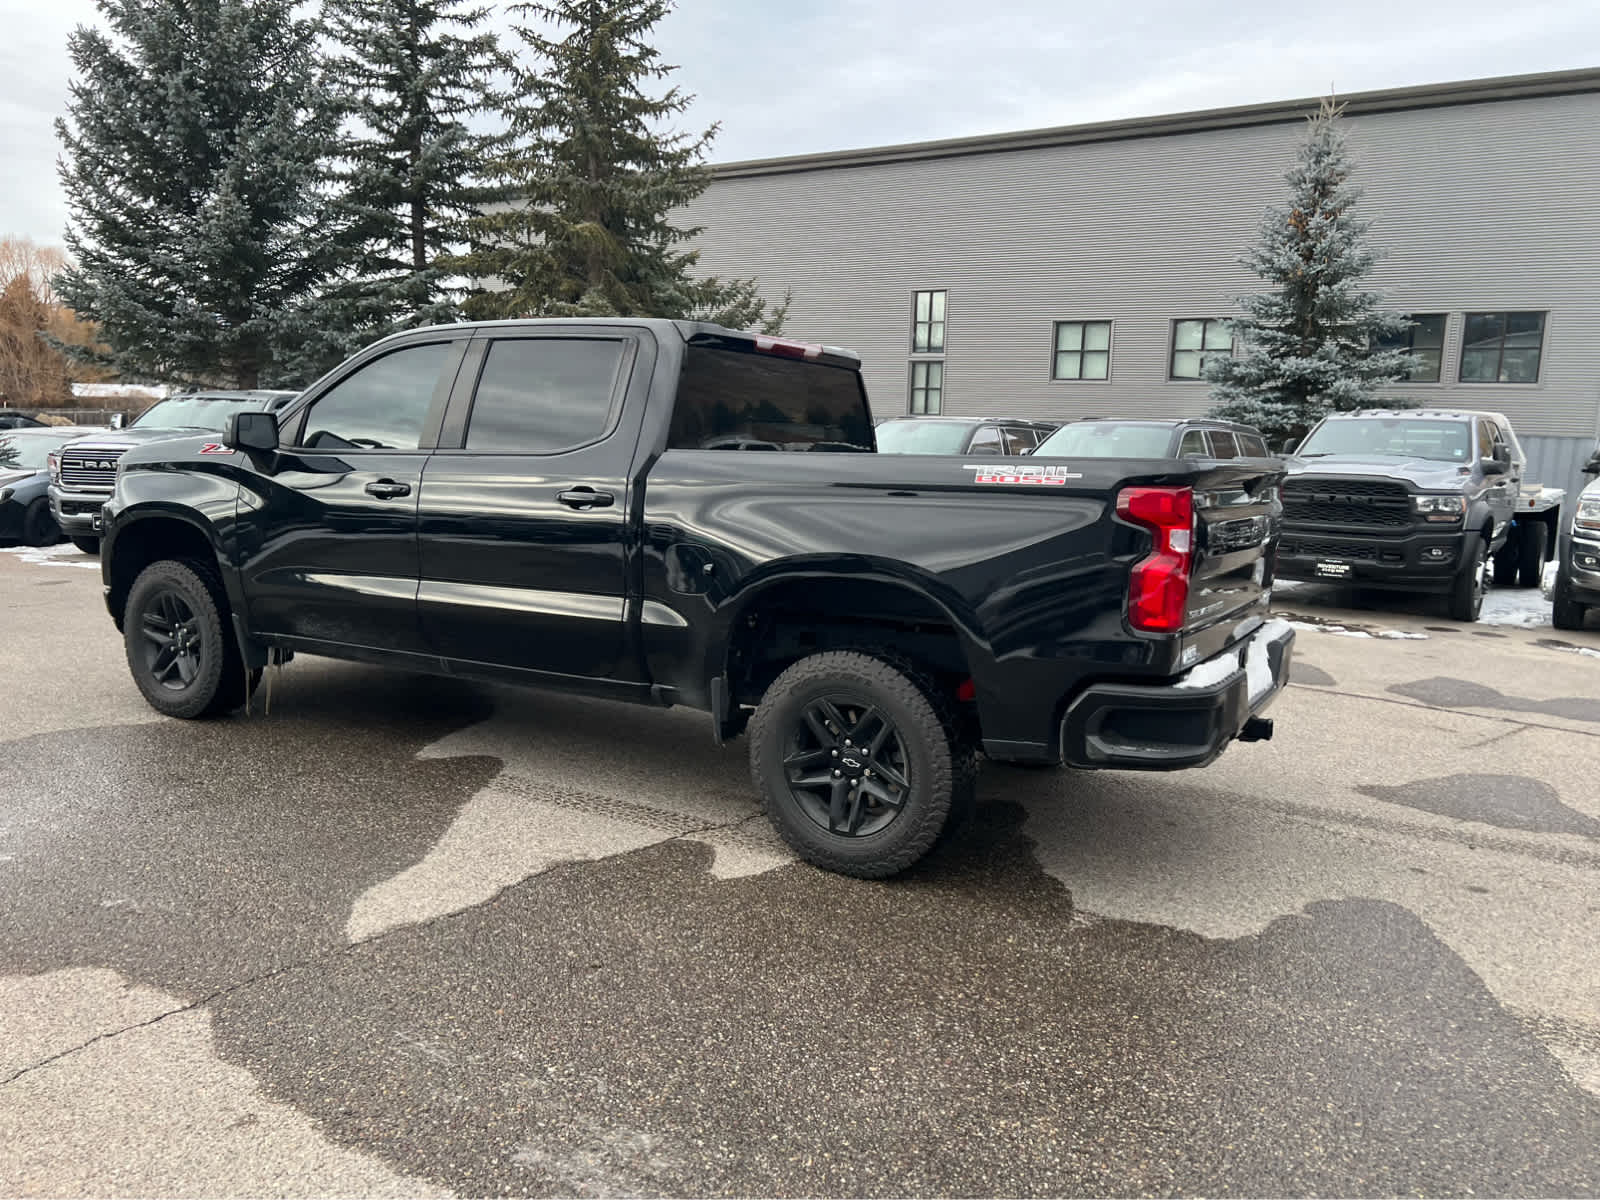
1009, 473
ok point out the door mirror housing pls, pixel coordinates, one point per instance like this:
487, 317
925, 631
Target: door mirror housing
255, 432
1495, 466
1592, 467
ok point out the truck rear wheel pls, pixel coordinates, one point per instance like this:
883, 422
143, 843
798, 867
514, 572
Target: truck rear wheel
178, 645
88, 545
1467, 591
1531, 541
860, 764
39, 528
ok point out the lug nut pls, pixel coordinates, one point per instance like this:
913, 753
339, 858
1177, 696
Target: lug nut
836, 774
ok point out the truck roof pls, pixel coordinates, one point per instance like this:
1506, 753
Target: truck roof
1425, 414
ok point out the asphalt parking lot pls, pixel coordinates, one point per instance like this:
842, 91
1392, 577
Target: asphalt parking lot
405, 936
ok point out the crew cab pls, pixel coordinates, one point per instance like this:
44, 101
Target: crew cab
1574, 587
563, 503
82, 473
1418, 500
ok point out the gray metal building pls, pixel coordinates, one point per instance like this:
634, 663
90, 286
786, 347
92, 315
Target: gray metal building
1076, 268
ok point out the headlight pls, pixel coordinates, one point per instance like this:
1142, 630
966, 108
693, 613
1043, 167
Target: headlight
1588, 516
1440, 508
55, 468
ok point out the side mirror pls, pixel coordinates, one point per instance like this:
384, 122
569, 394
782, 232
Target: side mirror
1592, 467
116, 420
1495, 466
252, 431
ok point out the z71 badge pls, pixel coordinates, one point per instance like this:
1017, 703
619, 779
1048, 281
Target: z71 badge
215, 448
1019, 473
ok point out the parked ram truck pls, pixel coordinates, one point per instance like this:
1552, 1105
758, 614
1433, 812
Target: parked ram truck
1573, 588
532, 502
1415, 500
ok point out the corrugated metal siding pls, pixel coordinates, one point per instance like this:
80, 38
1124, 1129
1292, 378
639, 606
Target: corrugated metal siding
1558, 462
1476, 207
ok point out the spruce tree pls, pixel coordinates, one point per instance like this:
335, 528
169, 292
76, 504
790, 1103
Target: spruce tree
192, 157
1310, 343
594, 181
409, 75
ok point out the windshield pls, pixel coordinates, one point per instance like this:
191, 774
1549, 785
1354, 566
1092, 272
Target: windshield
1391, 437
1107, 439
30, 452
193, 412
922, 437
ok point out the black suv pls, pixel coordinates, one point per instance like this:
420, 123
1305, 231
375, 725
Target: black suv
963, 435
1118, 437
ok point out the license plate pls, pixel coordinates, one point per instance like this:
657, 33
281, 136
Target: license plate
1334, 570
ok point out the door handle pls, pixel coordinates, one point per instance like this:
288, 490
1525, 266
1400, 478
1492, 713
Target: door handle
585, 497
387, 489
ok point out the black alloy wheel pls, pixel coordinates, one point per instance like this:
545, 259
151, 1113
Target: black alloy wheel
172, 640
847, 765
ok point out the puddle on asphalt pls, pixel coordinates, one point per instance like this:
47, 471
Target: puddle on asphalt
1444, 692
1508, 801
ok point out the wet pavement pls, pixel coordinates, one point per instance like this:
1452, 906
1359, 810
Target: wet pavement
410, 936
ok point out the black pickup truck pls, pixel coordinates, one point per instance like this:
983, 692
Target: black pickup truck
534, 502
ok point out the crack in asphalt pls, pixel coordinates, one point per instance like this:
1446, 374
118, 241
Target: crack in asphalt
348, 947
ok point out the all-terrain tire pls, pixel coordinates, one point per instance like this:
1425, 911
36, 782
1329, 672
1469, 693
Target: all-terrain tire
39, 527
1506, 561
187, 594
1531, 543
939, 765
1565, 612
1466, 592
89, 545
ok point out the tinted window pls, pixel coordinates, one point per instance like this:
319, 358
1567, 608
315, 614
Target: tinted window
1108, 439
986, 441
742, 400
1424, 341
1222, 444
1502, 347
383, 405
194, 412
1019, 441
1252, 446
544, 395
1193, 445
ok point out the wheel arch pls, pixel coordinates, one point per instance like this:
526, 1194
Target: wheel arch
145, 535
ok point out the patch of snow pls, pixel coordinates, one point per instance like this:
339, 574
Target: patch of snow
1574, 650
1523, 608
64, 555
1319, 627
1211, 672
1402, 635
1547, 579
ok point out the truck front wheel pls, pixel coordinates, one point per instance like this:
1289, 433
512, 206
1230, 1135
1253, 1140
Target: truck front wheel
1469, 586
178, 645
860, 764
1531, 541
1566, 613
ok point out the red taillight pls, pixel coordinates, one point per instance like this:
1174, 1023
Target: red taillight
1158, 587
788, 349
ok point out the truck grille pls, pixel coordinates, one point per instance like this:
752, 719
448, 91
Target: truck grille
1347, 503
89, 470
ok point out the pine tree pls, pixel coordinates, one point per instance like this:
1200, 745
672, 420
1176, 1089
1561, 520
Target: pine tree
193, 154
1310, 344
409, 74
595, 181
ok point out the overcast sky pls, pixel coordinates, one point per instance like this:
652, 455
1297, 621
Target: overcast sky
795, 76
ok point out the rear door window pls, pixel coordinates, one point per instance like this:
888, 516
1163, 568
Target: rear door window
1252, 446
1193, 445
734, 399
1019, 440
1223, 444
986, 441
545, 395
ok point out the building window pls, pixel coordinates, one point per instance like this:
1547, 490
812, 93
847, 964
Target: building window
1083, 350
1502, 347
927, 325
1425, 342
1196, 344
927, 388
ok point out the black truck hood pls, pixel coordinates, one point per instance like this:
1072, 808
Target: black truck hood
1425, 474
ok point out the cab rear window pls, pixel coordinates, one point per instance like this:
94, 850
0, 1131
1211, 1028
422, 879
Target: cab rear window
732, 399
